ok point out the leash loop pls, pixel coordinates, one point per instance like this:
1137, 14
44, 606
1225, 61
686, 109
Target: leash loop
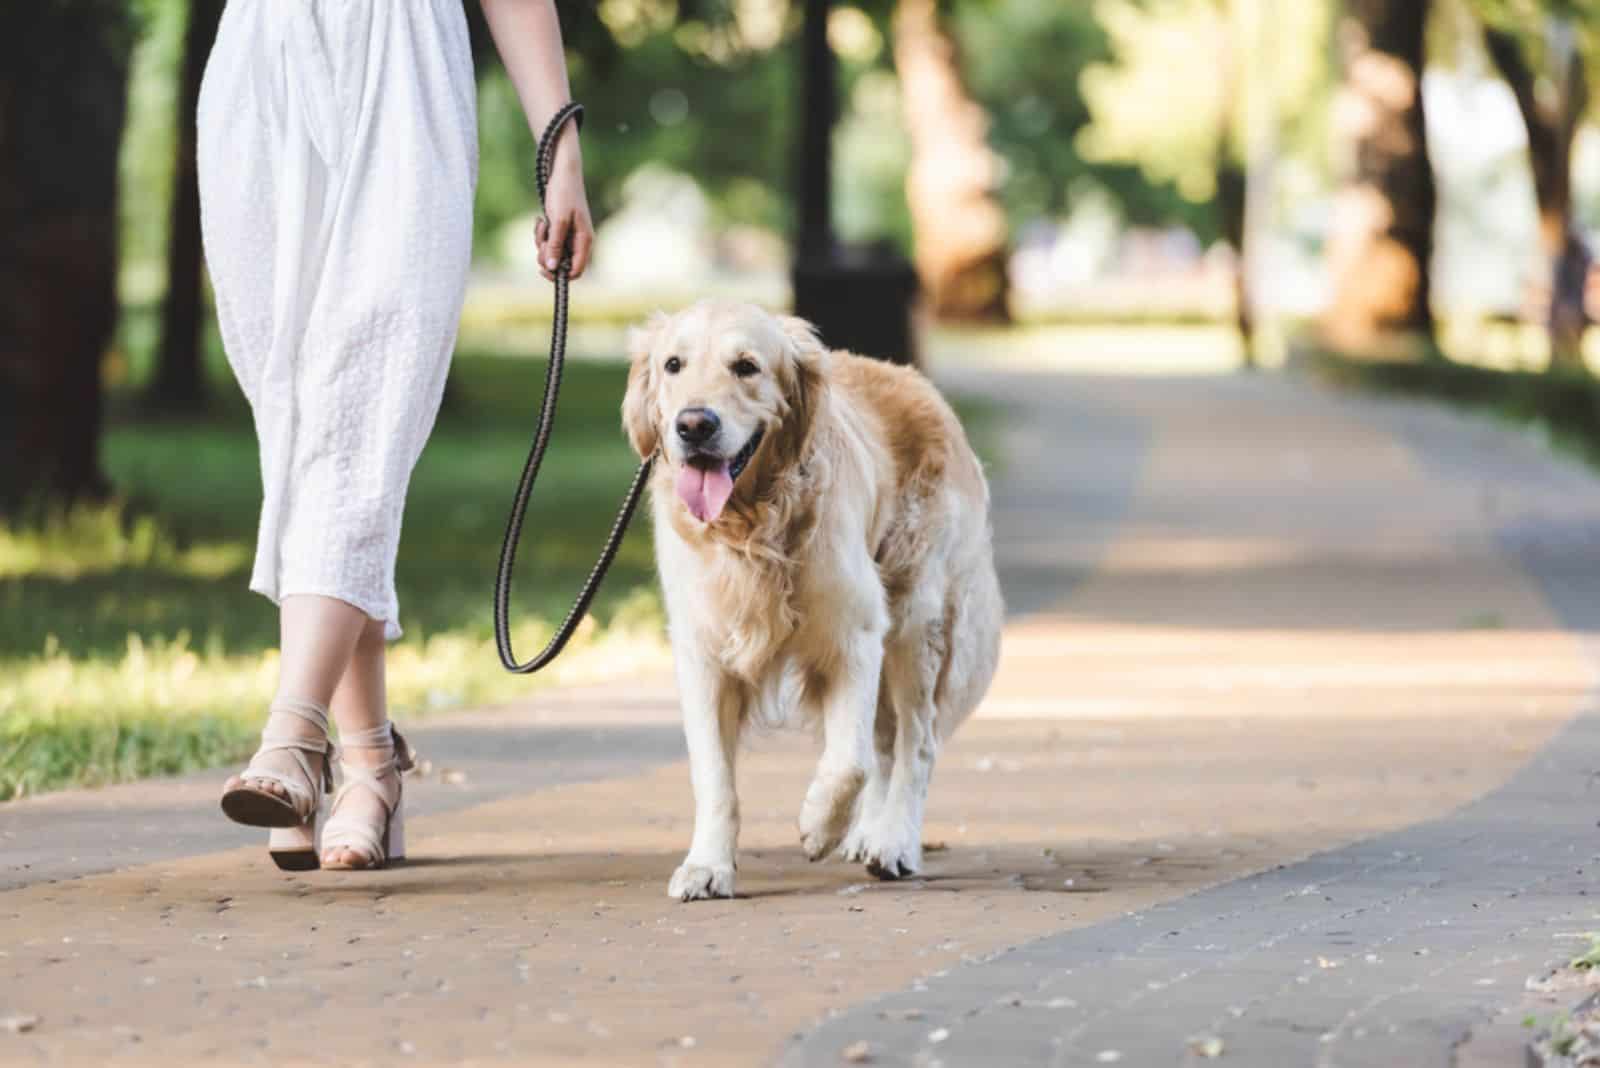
572, 112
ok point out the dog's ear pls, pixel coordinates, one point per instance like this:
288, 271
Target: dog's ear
803, 387
804, 343
638, 403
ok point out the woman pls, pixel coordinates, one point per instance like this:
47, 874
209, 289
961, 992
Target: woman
338, 157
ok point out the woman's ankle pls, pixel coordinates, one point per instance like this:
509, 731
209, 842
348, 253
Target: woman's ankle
368, 747
299, 716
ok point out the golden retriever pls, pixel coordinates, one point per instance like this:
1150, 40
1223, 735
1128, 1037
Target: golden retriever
822, 534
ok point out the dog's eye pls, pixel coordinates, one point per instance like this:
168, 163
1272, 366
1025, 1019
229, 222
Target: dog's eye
673, 365
744, 367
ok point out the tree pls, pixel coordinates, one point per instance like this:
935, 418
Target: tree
179, 383
1382, 244
1233, 177
1552, 119
1251, 73
63, 102
960, 230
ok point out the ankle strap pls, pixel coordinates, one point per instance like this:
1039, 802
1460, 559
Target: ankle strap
310, 711
383, 736
276, 738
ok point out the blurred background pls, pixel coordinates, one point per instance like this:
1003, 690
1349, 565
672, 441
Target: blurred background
1400, 192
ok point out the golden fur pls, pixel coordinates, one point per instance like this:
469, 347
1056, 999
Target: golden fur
849, 581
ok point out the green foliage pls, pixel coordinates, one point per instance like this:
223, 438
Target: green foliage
1188, 78
148, 143
1025, 61
1546, 29
1560, 407
1159, 48
728, 123
871, 154
711, 89
1530, 14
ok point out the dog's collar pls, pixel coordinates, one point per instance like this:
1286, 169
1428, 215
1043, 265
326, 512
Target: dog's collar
743, 457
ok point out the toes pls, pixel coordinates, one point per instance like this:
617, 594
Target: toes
818, 842
696, 882
889, 870
346, 860
888, 853
825, 814
263, 786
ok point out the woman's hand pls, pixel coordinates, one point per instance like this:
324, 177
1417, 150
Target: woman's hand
528, 35
566, 210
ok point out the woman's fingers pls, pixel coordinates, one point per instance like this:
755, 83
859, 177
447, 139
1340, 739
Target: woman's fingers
541, 235
551, 235
582, 240
560, 226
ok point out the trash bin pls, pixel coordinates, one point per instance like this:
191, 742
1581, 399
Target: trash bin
861, 298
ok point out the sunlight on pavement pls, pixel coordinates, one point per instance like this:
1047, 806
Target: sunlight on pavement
1092, 349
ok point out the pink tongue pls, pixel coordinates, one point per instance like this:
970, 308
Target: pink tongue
705, 492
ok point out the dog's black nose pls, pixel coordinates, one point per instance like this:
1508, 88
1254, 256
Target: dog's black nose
696, 426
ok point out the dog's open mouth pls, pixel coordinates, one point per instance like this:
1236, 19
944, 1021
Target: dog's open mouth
706, 482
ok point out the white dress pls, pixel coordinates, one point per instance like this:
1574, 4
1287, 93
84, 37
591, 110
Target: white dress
338, 157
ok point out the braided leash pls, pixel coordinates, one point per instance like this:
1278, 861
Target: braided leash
541, 439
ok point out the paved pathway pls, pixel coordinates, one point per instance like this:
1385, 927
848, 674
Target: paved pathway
1392, 950
1267, 643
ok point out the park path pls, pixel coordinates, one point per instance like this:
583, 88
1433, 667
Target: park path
1299, 676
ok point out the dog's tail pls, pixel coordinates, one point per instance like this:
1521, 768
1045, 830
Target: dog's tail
975, 615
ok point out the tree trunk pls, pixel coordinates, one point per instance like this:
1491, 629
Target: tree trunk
1552, 125
1232, 199
960, 229
63, 101
179, 383
1382, 241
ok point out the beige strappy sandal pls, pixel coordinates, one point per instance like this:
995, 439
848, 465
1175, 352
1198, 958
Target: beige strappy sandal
293, 842
378, 845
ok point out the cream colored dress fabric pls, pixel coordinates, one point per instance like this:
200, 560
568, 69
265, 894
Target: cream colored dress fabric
338, 156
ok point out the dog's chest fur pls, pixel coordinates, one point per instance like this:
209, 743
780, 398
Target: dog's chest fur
774, 608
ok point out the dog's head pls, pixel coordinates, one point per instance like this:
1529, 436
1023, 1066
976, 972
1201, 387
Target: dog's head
720, 388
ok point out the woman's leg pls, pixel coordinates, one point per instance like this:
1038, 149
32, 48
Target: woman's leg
316, 637
360, 703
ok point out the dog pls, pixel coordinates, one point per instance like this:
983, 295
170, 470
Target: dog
822, 535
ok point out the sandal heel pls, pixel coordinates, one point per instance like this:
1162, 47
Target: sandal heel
294, 848
396, 846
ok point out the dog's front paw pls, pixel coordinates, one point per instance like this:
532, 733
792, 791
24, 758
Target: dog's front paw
825, 813
696, 882
854, 847
888, 851
890, 865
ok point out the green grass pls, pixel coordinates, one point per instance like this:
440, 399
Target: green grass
1563, 406
130, 646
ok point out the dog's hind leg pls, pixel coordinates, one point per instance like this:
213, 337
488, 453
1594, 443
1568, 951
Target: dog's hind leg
876, 790
889, 841
713, 706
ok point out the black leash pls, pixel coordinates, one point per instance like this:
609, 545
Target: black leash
541, 438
